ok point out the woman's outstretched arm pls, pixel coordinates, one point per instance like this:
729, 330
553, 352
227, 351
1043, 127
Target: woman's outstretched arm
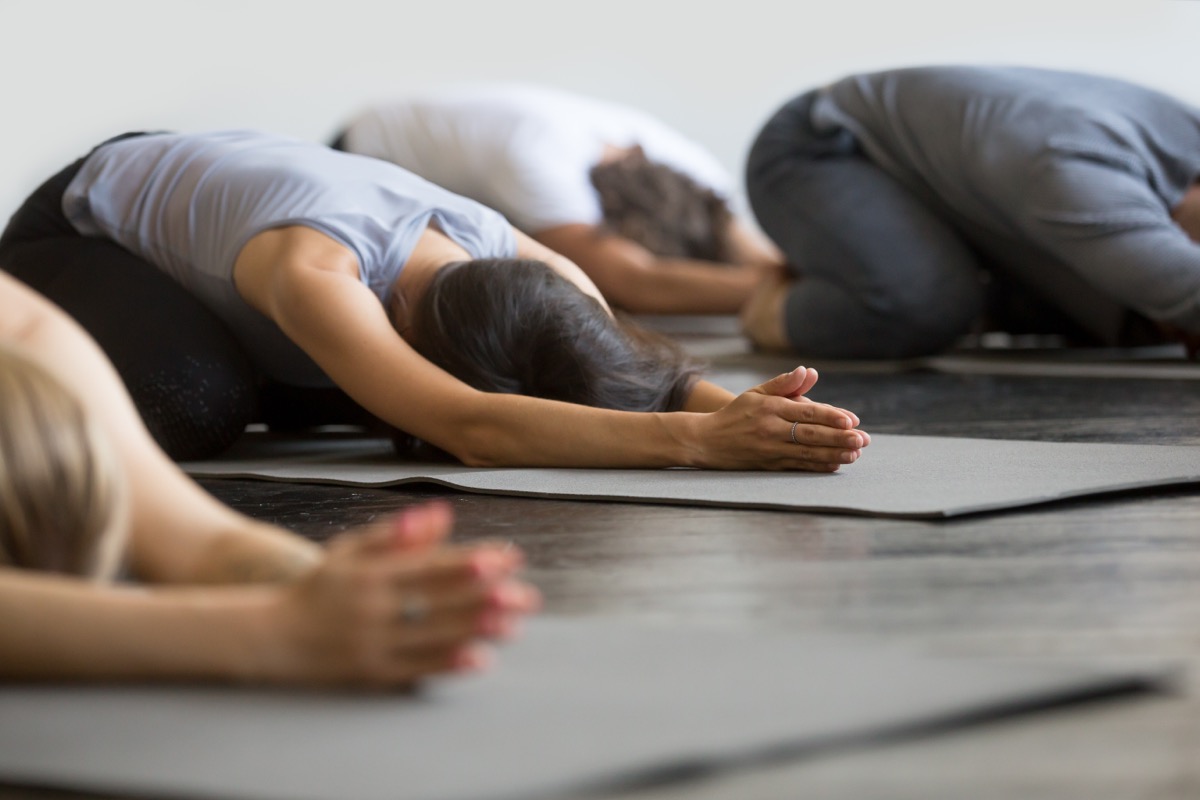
321, 304
637, 280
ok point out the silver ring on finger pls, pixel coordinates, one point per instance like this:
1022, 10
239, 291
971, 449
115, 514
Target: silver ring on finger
414, 608
793, 434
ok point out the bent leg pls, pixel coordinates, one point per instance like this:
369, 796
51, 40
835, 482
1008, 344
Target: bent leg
880, 274
189, 378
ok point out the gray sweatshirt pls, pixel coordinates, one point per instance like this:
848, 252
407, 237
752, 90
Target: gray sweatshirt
1083, 167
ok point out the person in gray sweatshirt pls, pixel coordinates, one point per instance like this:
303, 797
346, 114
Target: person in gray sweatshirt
917, 205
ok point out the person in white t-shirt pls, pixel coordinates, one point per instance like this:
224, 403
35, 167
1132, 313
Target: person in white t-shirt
642, 209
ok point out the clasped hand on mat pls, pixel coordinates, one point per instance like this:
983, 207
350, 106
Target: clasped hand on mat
388, 606
791, 431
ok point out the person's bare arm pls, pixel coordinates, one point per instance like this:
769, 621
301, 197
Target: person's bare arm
320, 303
750, 247
635, 279
706, 397
528, 247
345, 622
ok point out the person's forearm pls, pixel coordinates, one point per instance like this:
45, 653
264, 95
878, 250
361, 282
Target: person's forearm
62, 629
749, 246
519, 431
527, 247
637, 280
183, 535
708, 396
683, 286
254, 553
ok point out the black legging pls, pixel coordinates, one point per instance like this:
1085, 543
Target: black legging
190, 379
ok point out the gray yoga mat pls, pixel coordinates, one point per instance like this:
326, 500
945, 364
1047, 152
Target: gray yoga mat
897, 476
576, 705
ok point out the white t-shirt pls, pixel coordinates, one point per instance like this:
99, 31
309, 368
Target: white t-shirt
525, 151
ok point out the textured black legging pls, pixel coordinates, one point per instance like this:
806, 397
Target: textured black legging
190, 379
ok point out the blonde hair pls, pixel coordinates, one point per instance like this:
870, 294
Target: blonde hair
63, 505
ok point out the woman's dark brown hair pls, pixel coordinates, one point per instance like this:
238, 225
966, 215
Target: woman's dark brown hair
662, 209
518, 327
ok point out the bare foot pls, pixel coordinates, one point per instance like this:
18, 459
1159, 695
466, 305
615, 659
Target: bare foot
762, 316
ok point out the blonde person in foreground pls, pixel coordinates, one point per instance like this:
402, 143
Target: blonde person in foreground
84, 488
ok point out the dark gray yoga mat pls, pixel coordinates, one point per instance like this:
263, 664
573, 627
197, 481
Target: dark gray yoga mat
576, 705
897, 476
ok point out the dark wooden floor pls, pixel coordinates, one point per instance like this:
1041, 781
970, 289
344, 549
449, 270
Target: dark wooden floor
1096, 580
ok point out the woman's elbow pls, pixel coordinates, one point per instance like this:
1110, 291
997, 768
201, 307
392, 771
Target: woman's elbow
475, 442
479, 452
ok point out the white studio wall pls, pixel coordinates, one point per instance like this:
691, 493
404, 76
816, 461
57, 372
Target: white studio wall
75, 73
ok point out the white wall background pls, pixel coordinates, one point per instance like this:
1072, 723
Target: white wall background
75, 72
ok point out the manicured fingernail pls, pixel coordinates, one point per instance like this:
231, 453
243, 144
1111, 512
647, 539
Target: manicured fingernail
849, 457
